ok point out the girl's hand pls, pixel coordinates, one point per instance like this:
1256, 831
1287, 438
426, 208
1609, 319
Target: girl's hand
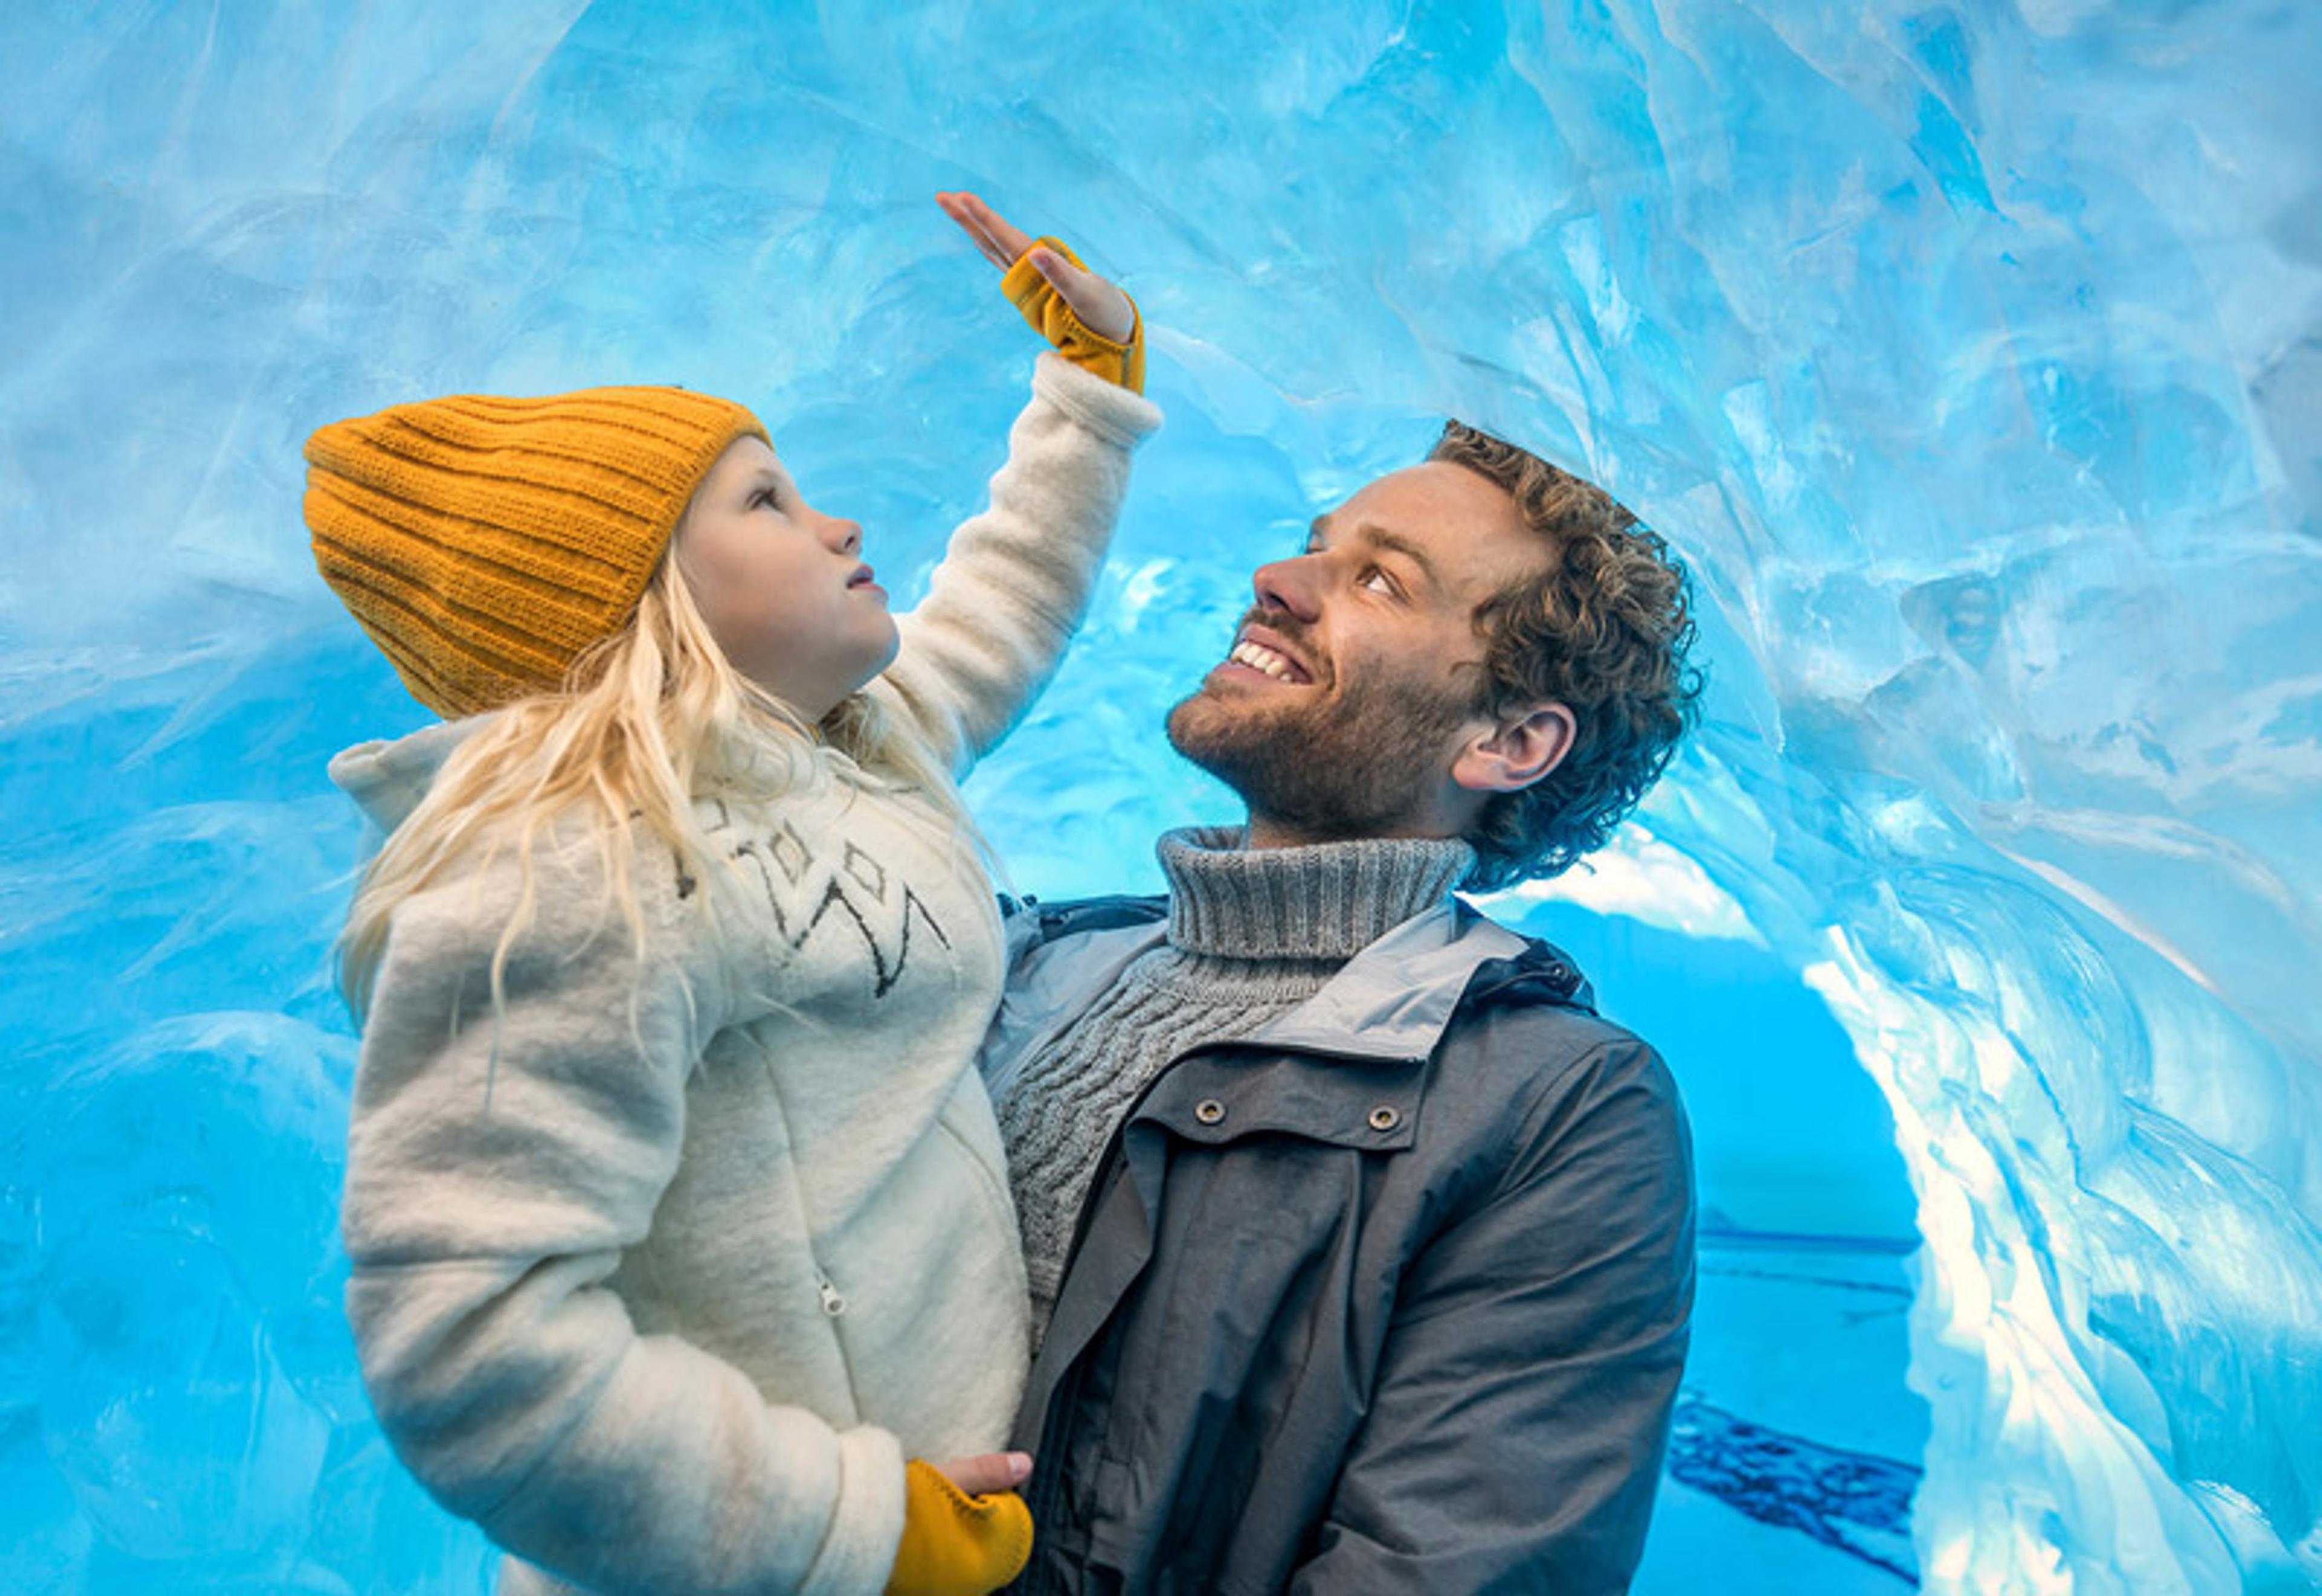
1102, 308
991, 1471
965, 1531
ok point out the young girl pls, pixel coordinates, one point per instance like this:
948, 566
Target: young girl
677, 1215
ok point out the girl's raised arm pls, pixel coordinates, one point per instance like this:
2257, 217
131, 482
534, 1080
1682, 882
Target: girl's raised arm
1016, 578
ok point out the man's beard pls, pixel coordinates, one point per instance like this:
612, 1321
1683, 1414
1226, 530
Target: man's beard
1322, 764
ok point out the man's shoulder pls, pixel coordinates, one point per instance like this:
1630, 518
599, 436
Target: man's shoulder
1530, 1013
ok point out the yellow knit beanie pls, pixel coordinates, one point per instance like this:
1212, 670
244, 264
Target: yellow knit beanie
485, 543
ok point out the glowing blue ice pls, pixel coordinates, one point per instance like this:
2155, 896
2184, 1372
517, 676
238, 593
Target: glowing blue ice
1968, 352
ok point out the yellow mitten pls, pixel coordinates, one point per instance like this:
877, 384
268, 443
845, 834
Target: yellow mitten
957, 1545
1053, 319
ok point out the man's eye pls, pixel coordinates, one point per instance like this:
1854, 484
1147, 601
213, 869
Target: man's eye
1378, 582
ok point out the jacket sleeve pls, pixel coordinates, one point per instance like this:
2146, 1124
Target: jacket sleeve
1522, 1402
497, 1170
1014, 579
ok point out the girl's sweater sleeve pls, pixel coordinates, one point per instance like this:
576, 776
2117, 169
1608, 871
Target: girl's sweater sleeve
496, 1171
1016, 579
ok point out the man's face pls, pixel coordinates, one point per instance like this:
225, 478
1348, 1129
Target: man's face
1357, 676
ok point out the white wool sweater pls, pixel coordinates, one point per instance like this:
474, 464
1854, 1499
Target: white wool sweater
661, 1276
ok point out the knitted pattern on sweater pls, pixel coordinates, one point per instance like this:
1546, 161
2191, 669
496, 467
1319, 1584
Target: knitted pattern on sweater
1253, 932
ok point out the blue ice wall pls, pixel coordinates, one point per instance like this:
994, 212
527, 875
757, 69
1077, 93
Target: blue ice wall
1968, 353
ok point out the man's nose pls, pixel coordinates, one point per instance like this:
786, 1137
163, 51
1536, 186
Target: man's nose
1289, 585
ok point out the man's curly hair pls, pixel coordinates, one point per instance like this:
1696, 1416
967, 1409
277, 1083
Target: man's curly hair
1604, 632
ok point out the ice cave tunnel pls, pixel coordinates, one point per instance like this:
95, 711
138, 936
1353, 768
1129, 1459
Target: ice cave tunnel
1969, 353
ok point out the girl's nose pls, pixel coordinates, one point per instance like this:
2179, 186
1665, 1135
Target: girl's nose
844, 535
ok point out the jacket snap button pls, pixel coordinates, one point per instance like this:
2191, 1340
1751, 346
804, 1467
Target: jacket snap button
1209, 1110
1385, 1118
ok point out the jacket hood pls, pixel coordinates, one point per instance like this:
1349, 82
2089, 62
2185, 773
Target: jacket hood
387, 778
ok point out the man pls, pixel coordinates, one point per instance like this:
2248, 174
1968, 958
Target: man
1362, 1249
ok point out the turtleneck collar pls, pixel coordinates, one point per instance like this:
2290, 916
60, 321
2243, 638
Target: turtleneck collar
1324, 901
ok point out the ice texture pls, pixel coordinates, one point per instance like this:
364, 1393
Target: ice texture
1971, 354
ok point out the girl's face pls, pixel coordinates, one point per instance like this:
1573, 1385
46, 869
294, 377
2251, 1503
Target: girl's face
781, 585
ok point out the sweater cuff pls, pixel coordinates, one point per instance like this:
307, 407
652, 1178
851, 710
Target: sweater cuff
1107, 409
868, 1525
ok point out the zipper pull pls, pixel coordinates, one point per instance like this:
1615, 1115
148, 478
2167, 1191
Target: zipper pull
832, 1303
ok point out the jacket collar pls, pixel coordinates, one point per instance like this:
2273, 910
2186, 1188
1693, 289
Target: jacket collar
1392, 1000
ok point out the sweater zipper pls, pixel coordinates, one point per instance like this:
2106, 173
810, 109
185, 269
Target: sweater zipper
834, 1302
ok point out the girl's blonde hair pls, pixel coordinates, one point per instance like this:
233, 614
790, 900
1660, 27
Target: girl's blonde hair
644, 724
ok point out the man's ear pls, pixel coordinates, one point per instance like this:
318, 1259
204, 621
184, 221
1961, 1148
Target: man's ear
1516, 754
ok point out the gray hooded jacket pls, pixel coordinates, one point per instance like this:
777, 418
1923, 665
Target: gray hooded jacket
1391, 1296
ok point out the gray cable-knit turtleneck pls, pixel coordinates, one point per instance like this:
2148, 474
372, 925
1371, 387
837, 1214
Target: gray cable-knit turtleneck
1253, 932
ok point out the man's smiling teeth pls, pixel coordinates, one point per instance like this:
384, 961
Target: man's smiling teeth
1259, 657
